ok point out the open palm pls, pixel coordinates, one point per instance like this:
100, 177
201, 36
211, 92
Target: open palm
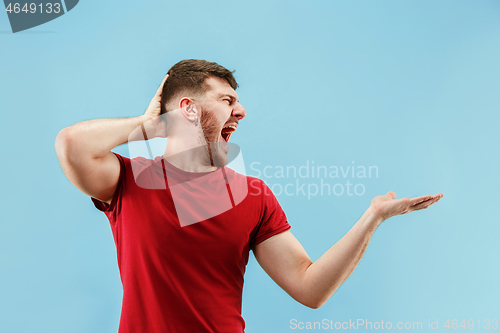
386, 206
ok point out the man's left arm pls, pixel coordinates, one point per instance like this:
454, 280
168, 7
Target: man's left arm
312, 284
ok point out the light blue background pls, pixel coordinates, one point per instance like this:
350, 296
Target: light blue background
411, 87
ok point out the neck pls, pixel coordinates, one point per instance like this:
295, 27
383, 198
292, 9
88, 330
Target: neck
188, 156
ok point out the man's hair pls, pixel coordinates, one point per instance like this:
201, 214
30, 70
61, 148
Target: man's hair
190, 75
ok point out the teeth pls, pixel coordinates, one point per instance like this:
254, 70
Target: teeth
227, 134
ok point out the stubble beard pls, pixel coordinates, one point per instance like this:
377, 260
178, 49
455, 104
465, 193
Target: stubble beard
211, 132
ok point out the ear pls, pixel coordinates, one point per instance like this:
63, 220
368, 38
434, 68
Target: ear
185, 101
190, 112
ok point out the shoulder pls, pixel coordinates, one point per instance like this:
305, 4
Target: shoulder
140, 162
134, 165
254, 187
252, 182
141, 171
257, 187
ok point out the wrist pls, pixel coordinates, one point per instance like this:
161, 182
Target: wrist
143, 118
372, 219
136, 133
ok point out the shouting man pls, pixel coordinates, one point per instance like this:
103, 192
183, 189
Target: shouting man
184, 223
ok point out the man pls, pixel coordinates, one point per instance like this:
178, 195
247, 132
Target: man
183, 222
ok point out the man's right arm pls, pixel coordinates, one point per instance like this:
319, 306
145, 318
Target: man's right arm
84, 149
84, 152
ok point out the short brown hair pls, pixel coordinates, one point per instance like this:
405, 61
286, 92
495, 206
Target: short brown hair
190, 75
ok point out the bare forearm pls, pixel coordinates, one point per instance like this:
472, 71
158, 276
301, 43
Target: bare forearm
323, 277
312, 284
95, 138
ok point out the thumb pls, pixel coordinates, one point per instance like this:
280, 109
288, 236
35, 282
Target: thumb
390, 195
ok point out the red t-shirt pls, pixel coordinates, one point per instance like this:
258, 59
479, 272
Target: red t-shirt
183, 241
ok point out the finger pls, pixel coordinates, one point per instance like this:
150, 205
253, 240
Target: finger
160, 88
425, 204
417, 200
435, 198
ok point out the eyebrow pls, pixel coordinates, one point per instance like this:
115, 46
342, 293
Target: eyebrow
230, 96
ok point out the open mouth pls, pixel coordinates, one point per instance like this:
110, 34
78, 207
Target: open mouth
227, 131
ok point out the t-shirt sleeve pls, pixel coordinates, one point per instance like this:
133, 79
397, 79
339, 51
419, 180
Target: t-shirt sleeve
115, 202
273, 220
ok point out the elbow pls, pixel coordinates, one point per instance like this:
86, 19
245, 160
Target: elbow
315, 305
316, 301
312, 303
62, 143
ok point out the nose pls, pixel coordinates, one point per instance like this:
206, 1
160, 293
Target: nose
239, 111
